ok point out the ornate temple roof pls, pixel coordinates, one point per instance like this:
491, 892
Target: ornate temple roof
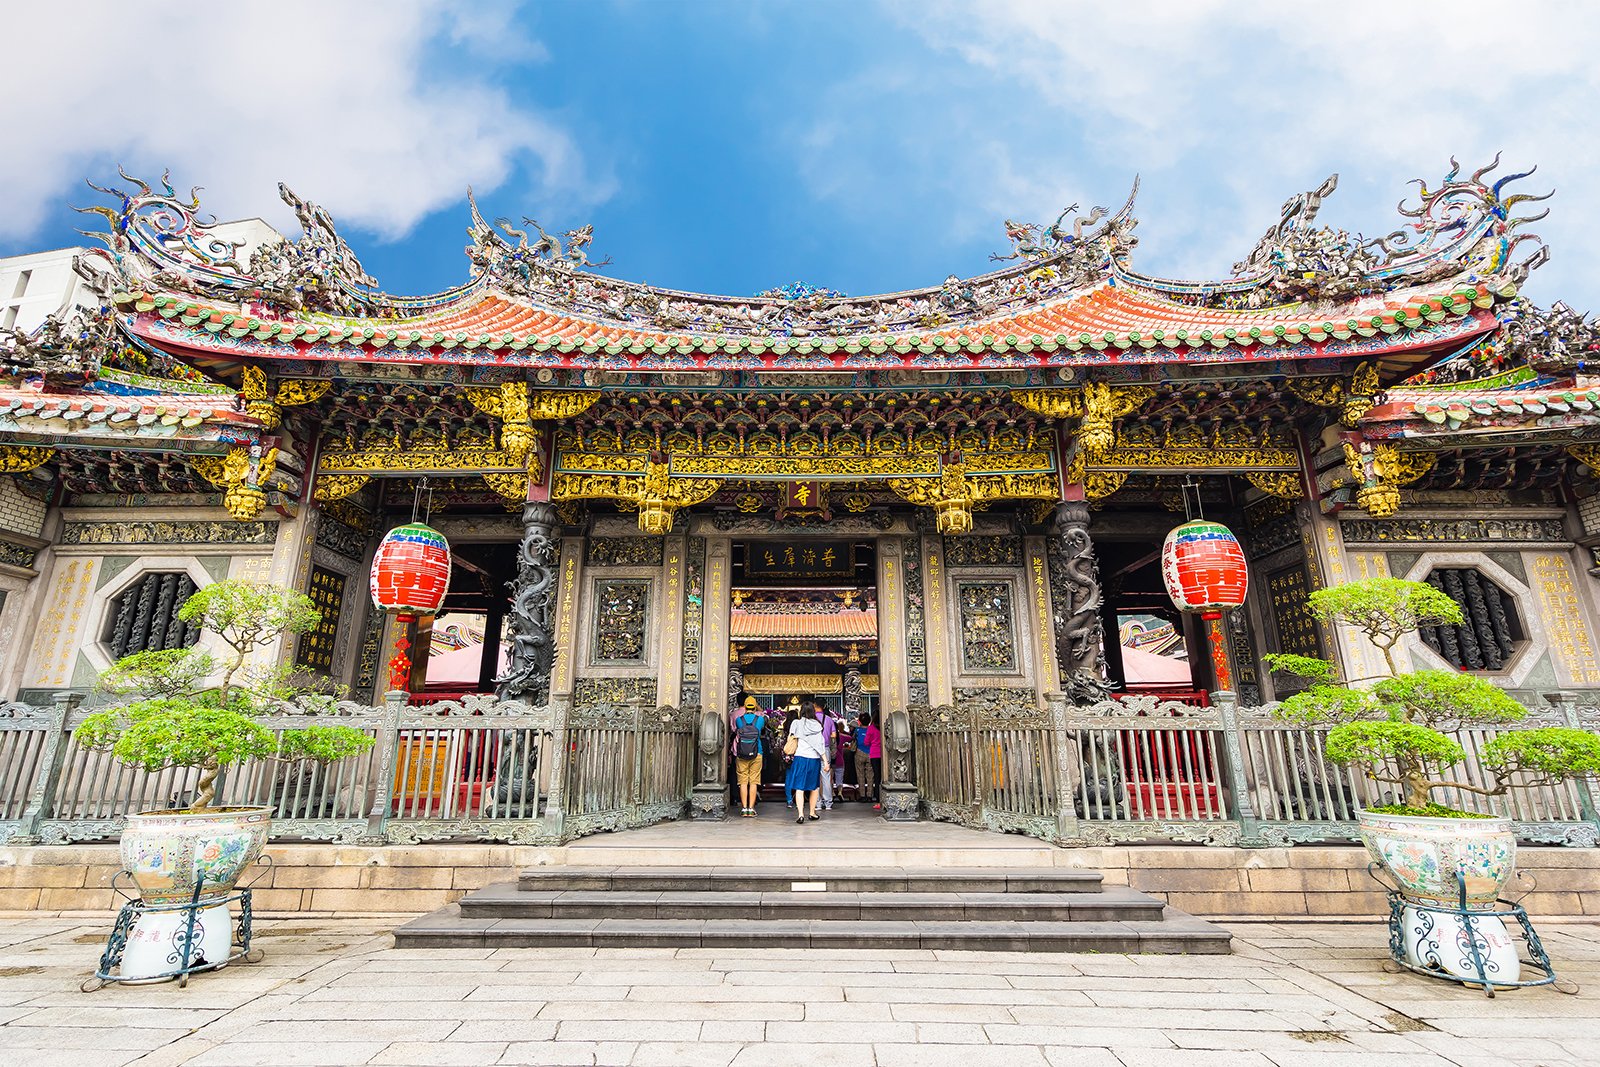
1069, 296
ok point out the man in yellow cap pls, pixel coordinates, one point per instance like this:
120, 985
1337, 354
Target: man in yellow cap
747, 754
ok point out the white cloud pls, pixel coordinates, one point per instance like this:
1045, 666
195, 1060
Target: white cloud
359, 106
1229, 106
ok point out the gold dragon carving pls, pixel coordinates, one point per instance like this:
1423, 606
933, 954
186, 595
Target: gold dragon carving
17, 459
266, 400
331, 487
240, 476
1380, 471
1098, 405
1588, 455
518, 409
957, 491
1284, 484
1355, 395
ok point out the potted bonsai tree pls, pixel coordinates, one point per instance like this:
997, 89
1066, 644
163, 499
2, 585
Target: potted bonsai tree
1397, 730
165, 716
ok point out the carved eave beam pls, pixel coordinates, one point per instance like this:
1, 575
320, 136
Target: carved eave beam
518, 408
1353, 396
1380, 470
265, 399
345, 472
1097, 406
957, 491
657, 494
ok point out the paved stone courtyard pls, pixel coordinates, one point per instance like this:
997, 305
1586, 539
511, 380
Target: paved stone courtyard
334, 992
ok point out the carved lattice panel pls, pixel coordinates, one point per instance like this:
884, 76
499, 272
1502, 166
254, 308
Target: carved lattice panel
987, 615
621, 621
144, 616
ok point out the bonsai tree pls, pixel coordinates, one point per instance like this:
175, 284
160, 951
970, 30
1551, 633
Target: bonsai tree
1396, 729
165, 717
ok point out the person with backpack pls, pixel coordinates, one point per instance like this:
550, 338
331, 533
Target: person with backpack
748, 753
869, 749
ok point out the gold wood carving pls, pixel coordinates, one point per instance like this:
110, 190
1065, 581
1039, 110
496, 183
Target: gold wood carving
398, 459
1323, 392
1377, 496
553, 404
14, 459
1052, 403
1403, 468
1362, 394
510, 486
1588, 455
1155, 458
331, 487
825, 468
518, 409
240, 477
657, 495
1285, 484
1102, 405
264, 402
1097, 485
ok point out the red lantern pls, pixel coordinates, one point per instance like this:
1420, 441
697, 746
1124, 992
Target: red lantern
1204, 568
411, 572
410, 577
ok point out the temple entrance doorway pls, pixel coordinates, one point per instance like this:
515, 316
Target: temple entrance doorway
803, 621
465, 647
1150, 646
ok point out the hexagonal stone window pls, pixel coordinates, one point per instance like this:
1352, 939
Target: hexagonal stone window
1493, 630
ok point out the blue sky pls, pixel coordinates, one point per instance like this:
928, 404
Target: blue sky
863, 145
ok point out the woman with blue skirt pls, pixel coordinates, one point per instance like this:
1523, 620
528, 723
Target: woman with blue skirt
810, 761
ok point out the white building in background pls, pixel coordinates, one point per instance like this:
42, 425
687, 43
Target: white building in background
40, 284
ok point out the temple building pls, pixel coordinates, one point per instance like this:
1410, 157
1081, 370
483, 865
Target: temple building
945, 498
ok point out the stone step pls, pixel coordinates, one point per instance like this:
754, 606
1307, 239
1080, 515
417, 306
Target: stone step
814, 879
510, 900
1175, 934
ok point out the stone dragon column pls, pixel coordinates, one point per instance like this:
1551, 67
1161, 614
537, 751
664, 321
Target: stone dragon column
531, 621
1076, 596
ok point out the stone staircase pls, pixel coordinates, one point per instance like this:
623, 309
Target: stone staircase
992, 909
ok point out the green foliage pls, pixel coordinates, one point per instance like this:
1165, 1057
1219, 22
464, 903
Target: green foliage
1323, 704
1446, 698
324, 744
1430, 811
1548, 754
1392, 743
169, 672
176, 732
1317, 670
246, 613
175, 723
1385, 608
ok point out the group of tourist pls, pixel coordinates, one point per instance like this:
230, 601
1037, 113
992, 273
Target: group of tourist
815, 744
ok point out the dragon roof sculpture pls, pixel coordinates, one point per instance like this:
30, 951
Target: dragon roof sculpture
1068, 294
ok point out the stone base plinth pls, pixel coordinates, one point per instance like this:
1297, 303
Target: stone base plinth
900, 803
709, 803
1308, 882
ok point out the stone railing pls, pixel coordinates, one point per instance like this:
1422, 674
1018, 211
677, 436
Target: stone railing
477, 769
1142, 769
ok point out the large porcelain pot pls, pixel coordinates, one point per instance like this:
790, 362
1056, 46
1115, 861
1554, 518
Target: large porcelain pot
168, 852
1422, 854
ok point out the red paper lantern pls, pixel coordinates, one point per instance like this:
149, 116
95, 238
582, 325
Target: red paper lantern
411, 572
1204, 568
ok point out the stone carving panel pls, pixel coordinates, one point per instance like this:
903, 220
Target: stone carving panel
624, 552
621, 621
987, 614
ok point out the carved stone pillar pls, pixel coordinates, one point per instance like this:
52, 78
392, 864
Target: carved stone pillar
852, 693
899, 793
1076, 597
533, 649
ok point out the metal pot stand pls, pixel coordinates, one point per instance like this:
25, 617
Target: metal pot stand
185, 954
1473, 946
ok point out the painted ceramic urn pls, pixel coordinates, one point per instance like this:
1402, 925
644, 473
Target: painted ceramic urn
1203, 567
168, 853
1423, 855
411, 571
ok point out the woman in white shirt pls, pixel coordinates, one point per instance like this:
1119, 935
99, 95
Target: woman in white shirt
810, 761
